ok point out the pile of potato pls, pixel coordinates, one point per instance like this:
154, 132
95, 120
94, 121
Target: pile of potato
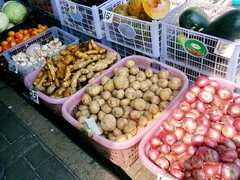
73, 68
124, 104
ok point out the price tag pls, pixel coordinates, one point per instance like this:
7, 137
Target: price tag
107, 16
72, 7
13, 68
33, 96
224, 49
93, 126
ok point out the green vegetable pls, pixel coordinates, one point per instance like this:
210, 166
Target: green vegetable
10, 25
226, 26
15, 11
194, 18
4, 20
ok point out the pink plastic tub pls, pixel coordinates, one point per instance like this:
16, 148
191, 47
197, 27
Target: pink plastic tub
144, 146
54, 104
122, 153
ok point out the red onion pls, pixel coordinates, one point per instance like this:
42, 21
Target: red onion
236, 100
220, 148
163, 163
234, 110
209, 89
179, 132
155, 142
217, 126
164, 148
197, 162
236, 124
214, 134
225, 94
170, 138
187, 138
194, 111
205, 97
224, 106
229, 155
176, 173
216, 115
179, 147
177, 165
153, 154
198, 174
209, 155
228, 143
184, 106
202, 81
238, 151
211, 170
178, 114
201, 129
187, 164
230, 171
202, 119
170, 157
217, 101
195, 89
197, 139
200, 106
167, 126
236, 140
237, 162
190, 97
226, 119
175, 122
229, 131
191, 150
214, 84
187, 174
194, 105
189, 125
191, 115
210, 143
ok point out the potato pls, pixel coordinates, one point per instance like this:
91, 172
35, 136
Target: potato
109, 85
90, 75
93, 116
171, 98
120, 82
123, 71
162, 83
113, 102
100, 115
134, 70
175, 93
85, 113
156, 115
165, 94
117, 112
139, 129
149, 72
86, 99
130, 93
148, 115
155, 100
135, 115
139, 104
81, 119
106, 95
144, 86
130, 128
117, 132
153, 108
163, 105
94, 90
174, 83
83, 78
131, 78
121, 123
82, 107
121, 138
132, 122
114, 92
111, 137
104, 80
141, 76
158, 91
94, 107
124, 102
128, 136
109, 122
139, 94
77, 114
126, 111
142, 121
163, 74
130, 64
154, 78
135, 85
148, 95
149, 82
154, 87
100, 101
106, 108
120, 94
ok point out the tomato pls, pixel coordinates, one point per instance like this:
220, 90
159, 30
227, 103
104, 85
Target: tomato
11, 33
40, 30
21, 31
39, 26
30, 30
5, 47
9, 39
19, 35
25, 32
4, 43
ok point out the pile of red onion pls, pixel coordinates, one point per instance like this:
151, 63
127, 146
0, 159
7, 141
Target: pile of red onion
201, 140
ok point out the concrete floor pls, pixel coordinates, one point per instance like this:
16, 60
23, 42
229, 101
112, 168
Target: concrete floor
59, 138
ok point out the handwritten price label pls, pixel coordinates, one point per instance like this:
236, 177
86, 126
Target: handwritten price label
107, 16
13, 68
72, 7
224, 49
33, 96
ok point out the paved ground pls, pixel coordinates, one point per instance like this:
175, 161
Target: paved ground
35, 144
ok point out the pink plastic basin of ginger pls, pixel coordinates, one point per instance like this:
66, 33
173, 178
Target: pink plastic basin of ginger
55, 104
144, 146
126, 152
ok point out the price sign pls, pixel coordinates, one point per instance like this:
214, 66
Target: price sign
33, 96
107, 16
72, 7
224, 49
13, 68
93, 126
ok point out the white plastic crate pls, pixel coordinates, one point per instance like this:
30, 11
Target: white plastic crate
87, 20
139, 35
211, 64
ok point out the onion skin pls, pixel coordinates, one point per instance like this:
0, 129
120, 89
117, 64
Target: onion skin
236, 124
226, 119
191, 150
189, 125
168, 127
210, 143
216, 115
202, 119
220, 148
229, 131
229, 155
170, 138
154, 154
179, 132
225, 94
198, 174
190, 97
228, 143
202, 129
176, 173
163, 163
217, 126
185, 107
230, 171
187, 139
200, 106
214, 84
234, 110
202, 81
236, 140
177, 165
205, 97
209, 89
178, 114
197, 162
155, 142
224, 107
179, 147
197, 139
164, 149
195, 89
211, 170
214, 134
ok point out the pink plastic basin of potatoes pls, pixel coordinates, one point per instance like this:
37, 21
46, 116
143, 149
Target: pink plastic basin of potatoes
126, 152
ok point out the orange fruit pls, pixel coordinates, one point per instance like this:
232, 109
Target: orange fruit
19, 35
6, 47
11, 33
4, 43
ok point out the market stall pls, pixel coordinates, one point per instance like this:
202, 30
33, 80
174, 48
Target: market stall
148, 84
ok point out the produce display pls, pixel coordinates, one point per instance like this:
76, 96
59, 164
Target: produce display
38, 53
122, 105
225, 26
201, 139
20, 36
73, 68
12, 13
146, 10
